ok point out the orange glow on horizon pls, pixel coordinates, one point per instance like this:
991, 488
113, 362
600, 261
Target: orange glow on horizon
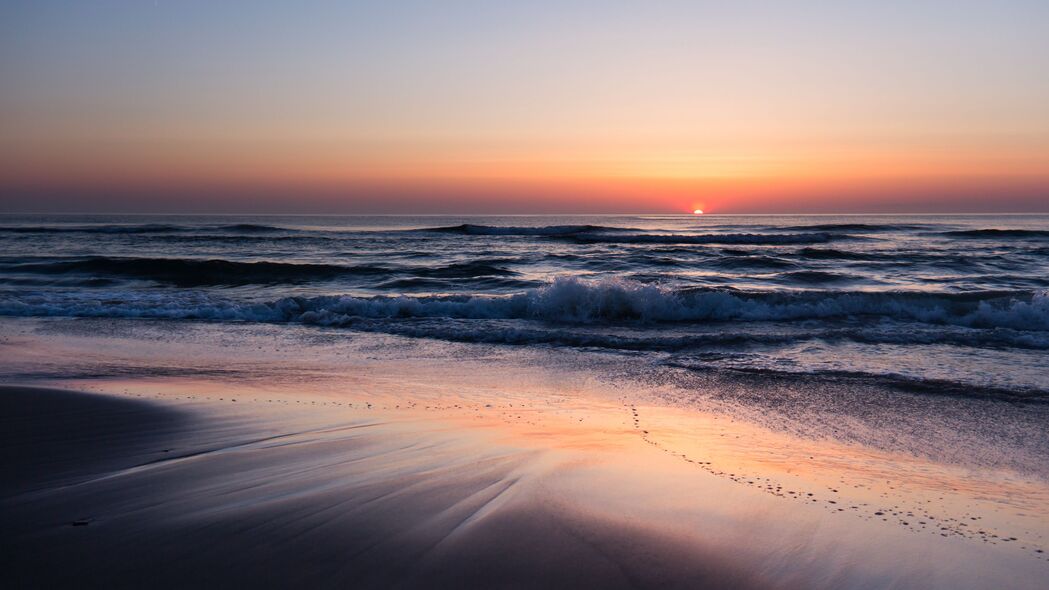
507, 178
639, 107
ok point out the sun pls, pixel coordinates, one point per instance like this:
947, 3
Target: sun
698, 212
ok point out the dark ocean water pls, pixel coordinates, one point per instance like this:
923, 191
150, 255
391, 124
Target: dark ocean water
952, 304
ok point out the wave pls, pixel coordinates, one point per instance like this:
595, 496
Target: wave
721, 343
475, 268
94, 229
494, 230
1038, 281
59, 282
834, 254
810, 277
857, 227
574, 300
736, 263
747, 239
249, 228
233, 238
187, 272
925, 386
474, 282
146, 228
998, 233
974, 262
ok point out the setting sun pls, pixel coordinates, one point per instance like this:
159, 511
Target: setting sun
427, 268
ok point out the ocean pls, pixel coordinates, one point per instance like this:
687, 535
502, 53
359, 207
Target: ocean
955, 305
824, 380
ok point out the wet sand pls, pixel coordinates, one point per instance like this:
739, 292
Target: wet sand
175, 490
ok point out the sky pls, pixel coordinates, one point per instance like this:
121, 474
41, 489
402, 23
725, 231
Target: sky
524, 107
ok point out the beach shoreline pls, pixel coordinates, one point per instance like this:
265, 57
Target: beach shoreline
283, 491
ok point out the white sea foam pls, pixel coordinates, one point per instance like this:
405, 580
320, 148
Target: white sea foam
566, 299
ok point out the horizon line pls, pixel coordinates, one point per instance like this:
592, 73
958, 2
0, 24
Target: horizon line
575, 214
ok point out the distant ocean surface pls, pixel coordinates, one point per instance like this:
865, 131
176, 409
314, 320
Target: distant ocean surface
948, 304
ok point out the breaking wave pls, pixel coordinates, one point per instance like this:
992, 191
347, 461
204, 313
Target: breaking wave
570, 300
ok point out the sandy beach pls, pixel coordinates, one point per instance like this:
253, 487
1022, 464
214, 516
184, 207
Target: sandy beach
527, 295
176, 490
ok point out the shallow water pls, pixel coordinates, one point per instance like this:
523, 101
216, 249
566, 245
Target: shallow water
844, 476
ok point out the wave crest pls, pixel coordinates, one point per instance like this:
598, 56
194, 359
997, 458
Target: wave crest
495, 230
998, 233
743, 239
189, 272
250, 228
148, 228
574, 300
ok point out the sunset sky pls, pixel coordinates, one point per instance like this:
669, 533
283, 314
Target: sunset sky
524, 107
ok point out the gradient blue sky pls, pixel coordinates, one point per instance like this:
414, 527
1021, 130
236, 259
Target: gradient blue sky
525, 107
